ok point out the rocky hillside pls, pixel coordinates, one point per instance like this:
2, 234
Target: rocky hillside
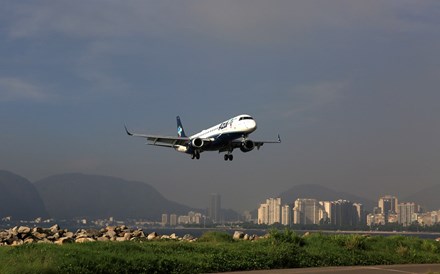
322, 193
19, 198
76, 195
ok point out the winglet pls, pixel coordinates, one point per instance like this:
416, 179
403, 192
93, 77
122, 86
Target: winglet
128, 132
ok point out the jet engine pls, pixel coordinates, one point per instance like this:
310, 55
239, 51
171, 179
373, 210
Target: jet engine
247, 145
197, 143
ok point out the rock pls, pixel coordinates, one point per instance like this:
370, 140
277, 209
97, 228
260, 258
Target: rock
64, 240
152, 236
110, 233
174, 236
138, 233
84, 240
438, 239
127, 236
103, 239
37, 229
187, 237
39, 235
17, 242
68, 234
44, 241
238, 235
92, 233
54, 229
4, 235
120, 239
29, 241
246, 237
23, 230
165, 237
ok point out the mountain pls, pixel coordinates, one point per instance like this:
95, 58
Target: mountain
19, 198
322, 193
69, 196
428, 198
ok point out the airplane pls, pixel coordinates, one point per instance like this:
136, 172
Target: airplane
224, 137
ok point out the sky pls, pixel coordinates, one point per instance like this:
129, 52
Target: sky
352, 87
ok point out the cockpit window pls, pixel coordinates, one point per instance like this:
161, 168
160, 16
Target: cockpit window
246, 118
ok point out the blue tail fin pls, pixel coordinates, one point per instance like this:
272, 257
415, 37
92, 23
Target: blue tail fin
180, 130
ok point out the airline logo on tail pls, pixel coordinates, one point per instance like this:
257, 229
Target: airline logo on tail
180, 131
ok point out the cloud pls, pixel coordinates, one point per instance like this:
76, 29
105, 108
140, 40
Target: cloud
256, 22
15, 89
305, 100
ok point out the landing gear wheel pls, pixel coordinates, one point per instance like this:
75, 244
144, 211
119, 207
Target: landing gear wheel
197, 155
229, 157
193, 156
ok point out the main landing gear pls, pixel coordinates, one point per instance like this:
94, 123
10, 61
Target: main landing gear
229, 157
196, 155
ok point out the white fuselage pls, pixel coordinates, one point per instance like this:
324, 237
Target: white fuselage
236, 127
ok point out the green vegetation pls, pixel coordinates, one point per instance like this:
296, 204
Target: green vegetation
217, 252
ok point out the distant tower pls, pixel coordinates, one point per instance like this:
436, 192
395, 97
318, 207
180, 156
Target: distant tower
164, 219
173, 219
215, 208
286, 215
387, 205
307, 211
406, 213
270, 212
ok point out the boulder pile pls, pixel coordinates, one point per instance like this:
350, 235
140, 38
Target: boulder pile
25, 235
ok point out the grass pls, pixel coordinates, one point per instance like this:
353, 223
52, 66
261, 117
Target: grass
217, 252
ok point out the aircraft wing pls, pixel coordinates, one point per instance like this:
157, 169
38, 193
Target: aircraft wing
258, 144
158, 140
238, 142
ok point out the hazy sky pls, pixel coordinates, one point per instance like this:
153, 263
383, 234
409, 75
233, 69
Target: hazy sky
351, 86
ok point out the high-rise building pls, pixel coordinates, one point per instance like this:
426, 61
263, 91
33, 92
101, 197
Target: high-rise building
164, 219
406, 213
173, 219
387, 205
328, 212
307, 211
263, 214
345, 214
214, 211
286, 215
359, 214
270, 212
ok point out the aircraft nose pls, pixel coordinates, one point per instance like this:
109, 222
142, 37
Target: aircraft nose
251, 125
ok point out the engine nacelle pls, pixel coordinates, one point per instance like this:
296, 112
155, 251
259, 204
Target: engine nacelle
197, 143
247, 145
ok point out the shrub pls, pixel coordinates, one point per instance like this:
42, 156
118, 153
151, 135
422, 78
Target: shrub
288, 236
215, 237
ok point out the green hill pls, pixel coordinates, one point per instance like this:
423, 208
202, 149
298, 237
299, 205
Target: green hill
76, 195
19, 198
